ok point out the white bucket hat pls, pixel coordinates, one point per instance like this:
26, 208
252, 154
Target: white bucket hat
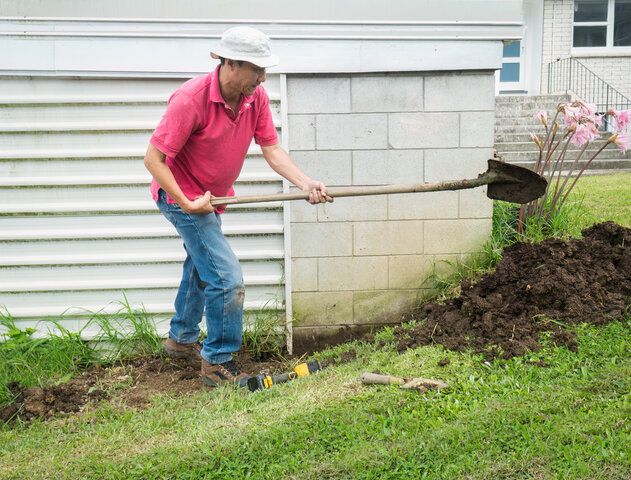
245, 43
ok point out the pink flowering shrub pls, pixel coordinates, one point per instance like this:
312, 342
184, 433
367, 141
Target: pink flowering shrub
581, 127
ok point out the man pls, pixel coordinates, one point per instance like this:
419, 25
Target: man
195, 153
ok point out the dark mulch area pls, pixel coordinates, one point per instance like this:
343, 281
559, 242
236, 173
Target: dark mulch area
132, 382
535, 288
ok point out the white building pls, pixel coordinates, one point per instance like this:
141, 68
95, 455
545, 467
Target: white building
595, 32
367, 93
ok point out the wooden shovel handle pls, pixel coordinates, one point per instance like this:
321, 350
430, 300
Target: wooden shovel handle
363, 190
377, 379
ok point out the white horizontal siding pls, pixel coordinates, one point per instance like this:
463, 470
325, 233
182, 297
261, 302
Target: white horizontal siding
78, 228
38, 305
77, 252
105, 198
19, 228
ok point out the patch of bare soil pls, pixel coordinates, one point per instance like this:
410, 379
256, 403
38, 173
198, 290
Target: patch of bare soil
535, 288
133, 382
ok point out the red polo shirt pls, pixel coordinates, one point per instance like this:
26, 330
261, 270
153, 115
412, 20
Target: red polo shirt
205, 147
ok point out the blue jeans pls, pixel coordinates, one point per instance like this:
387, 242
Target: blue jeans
211, 279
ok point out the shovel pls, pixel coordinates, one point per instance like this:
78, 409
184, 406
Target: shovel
505, 182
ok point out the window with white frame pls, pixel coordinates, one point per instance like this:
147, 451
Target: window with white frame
602, 23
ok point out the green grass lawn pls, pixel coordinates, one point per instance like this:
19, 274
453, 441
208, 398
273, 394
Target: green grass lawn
605, 197
503, 420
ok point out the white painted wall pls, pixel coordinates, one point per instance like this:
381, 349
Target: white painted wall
71, 239
361, 11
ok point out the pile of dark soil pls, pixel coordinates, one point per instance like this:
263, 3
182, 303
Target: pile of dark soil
132, 382
535, 288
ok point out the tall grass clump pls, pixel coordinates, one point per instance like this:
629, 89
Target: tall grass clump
32, 360
126, 333
263, 335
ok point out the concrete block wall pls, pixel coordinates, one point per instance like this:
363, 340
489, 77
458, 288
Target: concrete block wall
558, 16
362, 260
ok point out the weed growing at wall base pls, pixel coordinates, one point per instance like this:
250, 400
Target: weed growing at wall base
55, 358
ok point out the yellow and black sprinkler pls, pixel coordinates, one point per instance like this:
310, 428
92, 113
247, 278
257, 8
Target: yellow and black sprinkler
263, 381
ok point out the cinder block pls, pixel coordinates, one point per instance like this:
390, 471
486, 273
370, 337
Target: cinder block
304, 274
477, 129
354, 209
475, 204
409, 271
301, 132
300, 212
352, 273
456, 236
352, 131
455, 164
388, 238
423, 130
415, 206
318, 94
387, 306
310, 338
387, 93
330, 167
460, 92
378, 167
322, 308
321, 239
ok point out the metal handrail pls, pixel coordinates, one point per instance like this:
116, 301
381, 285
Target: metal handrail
570, 75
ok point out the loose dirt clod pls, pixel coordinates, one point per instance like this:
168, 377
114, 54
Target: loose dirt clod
535, 288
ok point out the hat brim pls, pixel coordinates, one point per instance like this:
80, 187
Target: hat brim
263, 62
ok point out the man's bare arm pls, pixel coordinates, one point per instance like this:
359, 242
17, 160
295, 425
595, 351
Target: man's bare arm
155, 162
281, 163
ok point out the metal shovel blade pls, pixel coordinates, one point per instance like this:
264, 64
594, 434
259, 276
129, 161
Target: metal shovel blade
514, 184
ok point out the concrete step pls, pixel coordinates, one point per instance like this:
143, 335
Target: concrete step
501, 117
519, 121
524, 136
588, 172
572, 149
608, 153
514, 137
527, 107
503, 99
519, 129
597, 164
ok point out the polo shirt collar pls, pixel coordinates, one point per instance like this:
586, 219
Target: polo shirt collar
215, 90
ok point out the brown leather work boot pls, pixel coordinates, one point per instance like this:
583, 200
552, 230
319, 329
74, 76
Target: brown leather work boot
189, 351
215, 374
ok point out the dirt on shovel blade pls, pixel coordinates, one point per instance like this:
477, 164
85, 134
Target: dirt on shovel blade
535, 288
